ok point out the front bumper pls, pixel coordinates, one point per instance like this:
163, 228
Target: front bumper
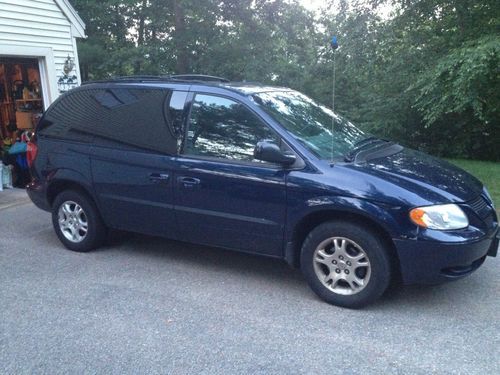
434, 262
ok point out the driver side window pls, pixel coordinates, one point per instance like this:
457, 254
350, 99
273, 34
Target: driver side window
223, 128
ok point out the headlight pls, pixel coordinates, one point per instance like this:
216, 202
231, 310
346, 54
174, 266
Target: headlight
441, 217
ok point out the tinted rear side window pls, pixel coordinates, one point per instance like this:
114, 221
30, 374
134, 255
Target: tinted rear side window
133, 116
175, 112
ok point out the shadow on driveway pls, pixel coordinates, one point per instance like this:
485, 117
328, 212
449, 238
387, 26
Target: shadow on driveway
269, 270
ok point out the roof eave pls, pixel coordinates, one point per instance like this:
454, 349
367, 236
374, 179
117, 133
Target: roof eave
78, 26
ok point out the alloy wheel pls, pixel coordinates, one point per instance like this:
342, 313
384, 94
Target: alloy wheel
342, 265
73, 221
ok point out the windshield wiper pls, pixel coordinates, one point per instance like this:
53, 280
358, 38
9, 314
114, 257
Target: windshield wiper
363, 145
366, 140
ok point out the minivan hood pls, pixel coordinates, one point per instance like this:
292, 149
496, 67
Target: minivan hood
431, 178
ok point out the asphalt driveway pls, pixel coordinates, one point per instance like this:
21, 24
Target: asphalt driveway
149, 305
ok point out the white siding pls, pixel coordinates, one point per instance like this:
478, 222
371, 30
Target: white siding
37, 23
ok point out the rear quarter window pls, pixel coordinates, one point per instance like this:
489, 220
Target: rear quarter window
133, 116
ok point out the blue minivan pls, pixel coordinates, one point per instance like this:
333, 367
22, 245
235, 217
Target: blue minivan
259, 169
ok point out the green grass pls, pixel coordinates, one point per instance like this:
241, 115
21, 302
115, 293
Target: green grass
487, 172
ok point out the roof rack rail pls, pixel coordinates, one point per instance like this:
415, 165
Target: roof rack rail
138, 78
198, 77
165, 78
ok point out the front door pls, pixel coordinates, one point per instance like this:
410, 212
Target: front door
223, 197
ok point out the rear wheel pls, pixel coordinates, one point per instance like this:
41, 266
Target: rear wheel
77, 221
346, 264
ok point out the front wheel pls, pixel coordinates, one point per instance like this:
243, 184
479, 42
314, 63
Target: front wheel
346, 264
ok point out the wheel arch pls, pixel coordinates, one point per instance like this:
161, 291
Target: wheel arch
57, 186
312, 220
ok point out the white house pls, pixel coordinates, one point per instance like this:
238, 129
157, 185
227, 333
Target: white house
38, 57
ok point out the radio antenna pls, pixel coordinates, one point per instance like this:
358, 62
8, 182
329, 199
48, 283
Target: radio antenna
334, 44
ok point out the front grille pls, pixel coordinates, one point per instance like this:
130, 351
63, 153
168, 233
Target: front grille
481, 207
484, 210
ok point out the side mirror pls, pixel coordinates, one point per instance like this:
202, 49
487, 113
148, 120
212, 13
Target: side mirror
270, 152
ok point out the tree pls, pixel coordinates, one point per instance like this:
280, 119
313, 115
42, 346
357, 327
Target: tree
426, 73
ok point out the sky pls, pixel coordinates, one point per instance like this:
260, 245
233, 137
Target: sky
312, 4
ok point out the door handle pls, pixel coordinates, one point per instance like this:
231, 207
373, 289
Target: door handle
159, 177
188, 182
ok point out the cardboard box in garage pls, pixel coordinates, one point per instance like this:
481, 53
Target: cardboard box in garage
24, 120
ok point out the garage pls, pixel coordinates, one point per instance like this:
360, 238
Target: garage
38, 62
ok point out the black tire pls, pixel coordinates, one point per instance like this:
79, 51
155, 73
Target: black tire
370, 243
96, 230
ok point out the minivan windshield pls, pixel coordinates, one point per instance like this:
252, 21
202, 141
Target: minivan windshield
311, 123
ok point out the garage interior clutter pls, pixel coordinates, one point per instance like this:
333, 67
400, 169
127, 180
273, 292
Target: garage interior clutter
21, 106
